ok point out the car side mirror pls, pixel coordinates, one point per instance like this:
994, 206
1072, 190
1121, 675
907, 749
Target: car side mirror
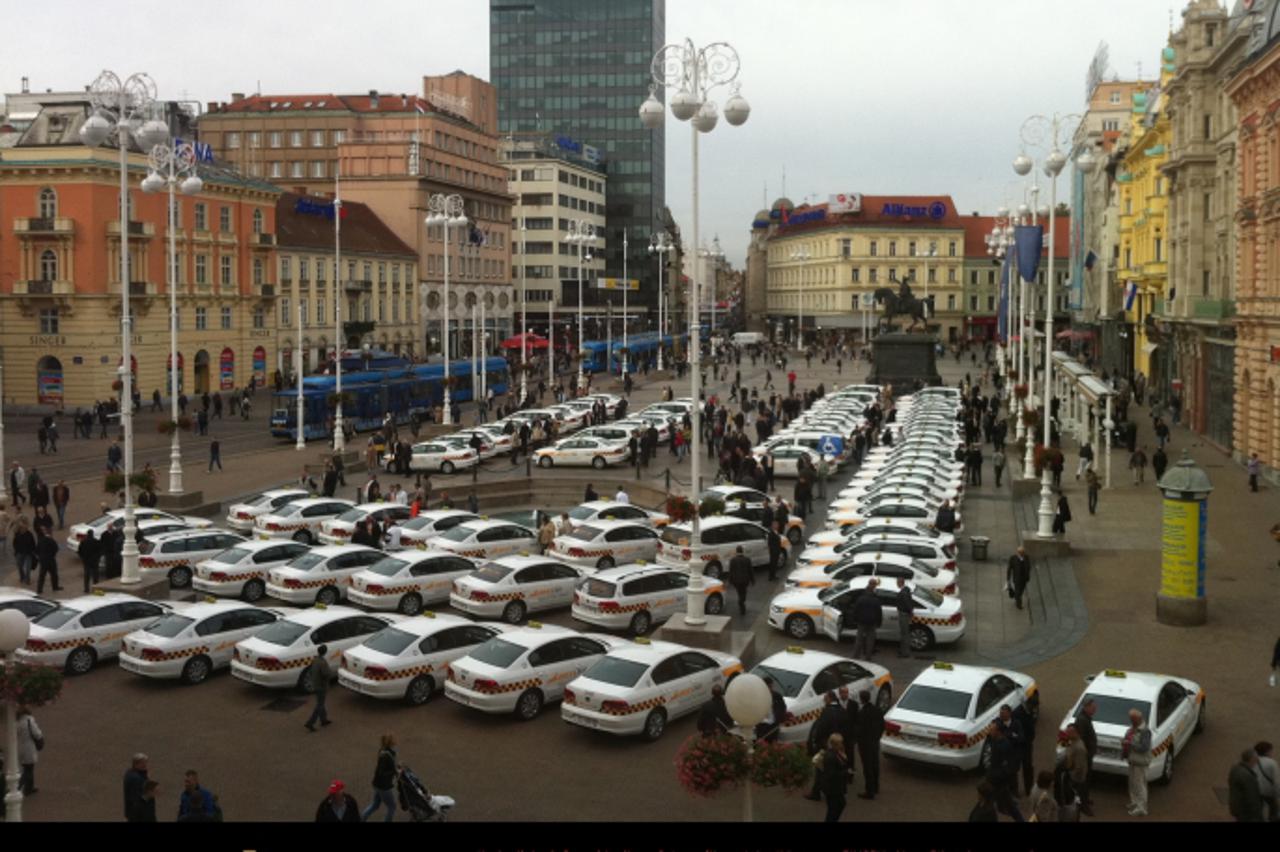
1089, 678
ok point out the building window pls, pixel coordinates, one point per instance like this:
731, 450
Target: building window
48, 265
304, 270
224, 219
395, 308
297, 169
233, 140
1204, 285
224, 273
911, 248
873, 275
320, 310
368, 273
257, 221
855, 275
408, 308
382, 309
257, 271
973, 304
202, 217
1159, 249
48, 320
284, 311
991, 277
305, 318
382, 273
255, 139
277, 169
951, 276
1208, 126
951, 249
951, 301
202, 319
317, 139
259, 318
991, 303
1208, 206
317, 168
395, 275
1128, 258
295, 138
202, 269
893, 248
320, 267
226, 317
368, 310
1115, 97
286, 269
48, 203
339, 136
933, 275
846, 248
874, 248
275, 139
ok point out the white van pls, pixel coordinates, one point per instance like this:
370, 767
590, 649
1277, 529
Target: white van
748, 338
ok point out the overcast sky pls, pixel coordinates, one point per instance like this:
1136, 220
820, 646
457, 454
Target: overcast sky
875, 96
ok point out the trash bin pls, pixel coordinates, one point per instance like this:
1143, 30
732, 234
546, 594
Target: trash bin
978, 545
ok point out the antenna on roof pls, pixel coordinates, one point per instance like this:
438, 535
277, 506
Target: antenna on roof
784, 181
259, 88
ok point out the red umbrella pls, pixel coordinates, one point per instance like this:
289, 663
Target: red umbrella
530, 341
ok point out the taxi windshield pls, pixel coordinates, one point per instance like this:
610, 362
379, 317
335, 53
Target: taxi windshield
584, 533
55, 618
491, 573
498, 653
929, 596
282, 632
461, 532
673, 534
789, 682
582, 513
597, 588
306, 562
388, 566
352, 515
935, 701
288, 510
1114, 709
616, 672
230, 556
390, 641
169, 625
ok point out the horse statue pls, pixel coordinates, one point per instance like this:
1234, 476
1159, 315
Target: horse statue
901, 303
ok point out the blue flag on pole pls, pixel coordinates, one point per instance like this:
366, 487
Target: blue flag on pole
1029, 241
1002, 316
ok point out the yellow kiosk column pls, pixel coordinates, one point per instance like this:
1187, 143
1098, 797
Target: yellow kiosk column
1181, 601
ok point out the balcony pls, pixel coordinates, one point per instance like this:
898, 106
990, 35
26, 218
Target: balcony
44, 225
267, 291
43, 288
136, 229
357, 286
136, 288
1213, 309
262, 240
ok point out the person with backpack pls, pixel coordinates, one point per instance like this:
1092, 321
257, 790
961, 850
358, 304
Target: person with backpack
30, 744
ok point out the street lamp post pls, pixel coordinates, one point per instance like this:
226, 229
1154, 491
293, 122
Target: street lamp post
173, 166
339, 432
4, 473
802, 255
14, 629
694, 72
659, 245
749, 702
524, 323
119, 109
715, 255
582, 235
446, 210
626, 285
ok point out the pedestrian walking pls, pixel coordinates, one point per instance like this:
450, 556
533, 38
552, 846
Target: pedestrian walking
714, 718
776, 557
1093, 486
985, 809
1253, 466
1089, 738
906, 605
998, 462
1268, 780
1075, 765
830, 721
18, 482
47, 557
547, 534
1086, 458
135, 779
215, 455
834, 772
320, 675
1002, 773
384, 781
741, 575
338, 805
870, 728
1063, 514
1244, 794
1138, 464
1018, 574
30, 744
867, 618
1136, 751
1159, 462
90, 552
196, 804
61, 497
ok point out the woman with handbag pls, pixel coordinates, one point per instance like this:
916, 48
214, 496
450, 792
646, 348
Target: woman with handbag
835, 774
30, 742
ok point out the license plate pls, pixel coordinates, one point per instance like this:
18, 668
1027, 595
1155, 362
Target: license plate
912, 738
585, 720
129, 665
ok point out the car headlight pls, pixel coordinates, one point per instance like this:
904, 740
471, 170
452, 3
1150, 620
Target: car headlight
775, 609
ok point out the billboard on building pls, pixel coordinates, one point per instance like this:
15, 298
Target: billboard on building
845, 202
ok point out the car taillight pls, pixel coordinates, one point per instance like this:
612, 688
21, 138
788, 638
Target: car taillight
569, 696
272, 526
268, 663
374, 588
293, 584
610, 606
36, 645
615, 706
477, 595
950, 590
485, 685
218, 576
686, 554
950, 738
1063, 738
576, 551
79, 536
951, 565
244, 516
892, 727
375, 671
956, 619
146, 561
151, 654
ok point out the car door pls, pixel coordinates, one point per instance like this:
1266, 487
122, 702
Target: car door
237, 626
436, 576
699, 673
498, 541
548, 663
1172, 716
754, 541
337, 635
837, 615
561, 580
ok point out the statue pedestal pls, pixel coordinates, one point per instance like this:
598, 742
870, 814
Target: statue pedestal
902, 359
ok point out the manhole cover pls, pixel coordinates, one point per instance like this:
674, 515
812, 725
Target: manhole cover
284, 705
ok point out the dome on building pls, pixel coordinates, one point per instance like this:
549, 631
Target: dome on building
783, 204
1167, 54
761, 219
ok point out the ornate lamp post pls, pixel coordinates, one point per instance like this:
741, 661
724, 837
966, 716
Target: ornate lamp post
120, 110
174, 166
694, 72
800, 255
749, 702
339, 432
660, 245
524, 324
582, 235
446, 210
14, 629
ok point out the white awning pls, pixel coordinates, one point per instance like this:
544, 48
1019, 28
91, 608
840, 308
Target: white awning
1148, 347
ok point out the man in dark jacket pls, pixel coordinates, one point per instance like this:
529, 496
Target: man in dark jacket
868, 615
47, 558
1244, 793
830, 721
196, 803
870, 727
338, 805
1003, 771
1018, 574
1088, 736
134, 779
89, 553
768, 729
714, 718
945, 520
775, 550
321, 673
1028, 722
590, 495
741, 575
906, 605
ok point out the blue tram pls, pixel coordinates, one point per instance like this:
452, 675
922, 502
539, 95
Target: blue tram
401, 391
642, 346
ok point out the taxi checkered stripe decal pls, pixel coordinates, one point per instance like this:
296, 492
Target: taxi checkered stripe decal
1163, 747
635, 708
148, 562
283, 665
516, 686
589, 553
73, 643
252, 575
505, 596
942, 622
412, 671
313, 584
285, 527
387, 590
969, 742
793, 720
176, 655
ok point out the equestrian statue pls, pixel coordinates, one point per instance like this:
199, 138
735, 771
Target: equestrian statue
901, 303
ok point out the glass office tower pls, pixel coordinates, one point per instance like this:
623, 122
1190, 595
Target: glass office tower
579, 69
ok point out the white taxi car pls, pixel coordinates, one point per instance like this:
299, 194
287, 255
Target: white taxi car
242, 515
25, 601
636, 597
876, 563
501, 441
804, 677
786, 458
442, 456
340, 529
720, 537
1173, 707
322, 575
511, 587
415, 532
611, 510
944, 716
800, 613
910, 508
604, 544
748, 504
899, 527
921, 493
636, 423
611, 402
639, 687
241, 571
521, 670
84, 630
278, 655
192, 642
299, 520
571, 418
596, 452
116, 518
407, 580
408, 659
485, 539
176, 554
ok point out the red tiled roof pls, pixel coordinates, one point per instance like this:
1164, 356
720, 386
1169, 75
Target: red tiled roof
976, 229
387, 103
362, 230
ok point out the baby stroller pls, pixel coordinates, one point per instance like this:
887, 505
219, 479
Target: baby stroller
418, 801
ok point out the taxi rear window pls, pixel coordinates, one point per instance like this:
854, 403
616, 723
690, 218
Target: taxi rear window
616, 672
676, 535
282, 632
498, 653
935, 701
231, 555
598, 588
390, 641
170, 625
306, 562
288, 510
388, 566
582, 513
352, 515
461, 532
491, 573
584, 533
55, 618
789, 682
1114, 709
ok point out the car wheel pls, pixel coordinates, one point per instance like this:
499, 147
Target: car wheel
327, 596
713, 570
715, 605
529, 705
307, 682
654, 725
794, 536
984, 759
81, 660
420, 690
253, 591
884, 698
544, 461
180, 577
598, 462
196, 670
446, 468
1166, 774
514, 612
303, 537
921, 638
605, 562
1200, 717
640, 623
410, 604
799, 626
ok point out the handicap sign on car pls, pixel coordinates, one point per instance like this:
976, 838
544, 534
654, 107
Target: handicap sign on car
831, 445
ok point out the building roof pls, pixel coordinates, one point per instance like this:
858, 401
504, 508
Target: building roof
362, 230
932, 211
976, 229
386, 103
